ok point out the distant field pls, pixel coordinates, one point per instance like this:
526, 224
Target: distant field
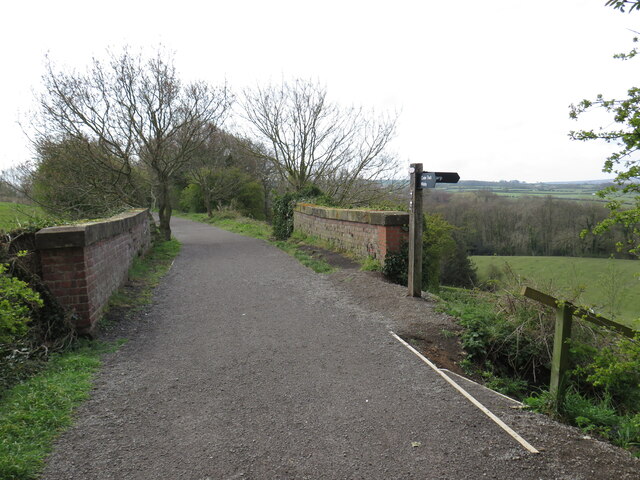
12, 215
579, 192
611, 287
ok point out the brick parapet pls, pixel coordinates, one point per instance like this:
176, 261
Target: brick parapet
84, 264
366, 233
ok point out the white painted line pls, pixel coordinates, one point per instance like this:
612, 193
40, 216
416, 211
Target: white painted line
483, 386
484, 409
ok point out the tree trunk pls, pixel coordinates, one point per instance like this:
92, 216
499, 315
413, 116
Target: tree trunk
206, 194
164, 209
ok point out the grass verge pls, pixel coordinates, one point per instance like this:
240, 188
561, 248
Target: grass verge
249, 227
37, 410
144, 275
34, 412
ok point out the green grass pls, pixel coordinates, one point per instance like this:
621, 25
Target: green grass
371, 264
611, 287
14, 215
144, 275
249, 227
292, 248
34, 412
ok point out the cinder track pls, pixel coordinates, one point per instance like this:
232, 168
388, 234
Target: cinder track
249, 365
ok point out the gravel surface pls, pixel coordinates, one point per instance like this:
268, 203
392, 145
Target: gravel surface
249, 365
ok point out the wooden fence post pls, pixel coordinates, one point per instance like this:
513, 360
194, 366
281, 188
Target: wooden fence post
565, 312
414, 279
560, 360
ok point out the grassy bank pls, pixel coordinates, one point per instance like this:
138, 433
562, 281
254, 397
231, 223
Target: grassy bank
611, 287
34, 412
508, 341
13, 215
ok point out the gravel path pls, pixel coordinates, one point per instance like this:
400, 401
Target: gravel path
249, 365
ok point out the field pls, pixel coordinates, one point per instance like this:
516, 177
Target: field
564, 191
610, 287
12, 215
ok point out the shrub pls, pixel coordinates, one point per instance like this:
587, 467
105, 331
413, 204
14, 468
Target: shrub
17, 301
250, 200
437, 243
614, 371
283, 215
191, 199
457, 270
505, 336
283, 206
32, 322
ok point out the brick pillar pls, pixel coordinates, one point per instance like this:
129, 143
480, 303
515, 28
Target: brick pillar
64, 272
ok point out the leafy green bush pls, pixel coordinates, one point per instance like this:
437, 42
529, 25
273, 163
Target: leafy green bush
32, 322
191, 199
283, 215
17, 301
457, 270
614, 371
283, 206
437, 243
503, 337
250, 200
396, 265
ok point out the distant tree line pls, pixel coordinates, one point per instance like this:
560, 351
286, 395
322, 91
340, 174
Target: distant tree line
491, 224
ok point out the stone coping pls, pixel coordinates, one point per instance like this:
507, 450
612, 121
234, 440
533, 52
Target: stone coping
372, 217
84, 234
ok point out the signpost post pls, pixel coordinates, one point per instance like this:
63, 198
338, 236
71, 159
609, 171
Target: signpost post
414, 277
418, 181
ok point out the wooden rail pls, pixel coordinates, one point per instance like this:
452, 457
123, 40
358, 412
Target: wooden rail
565, 311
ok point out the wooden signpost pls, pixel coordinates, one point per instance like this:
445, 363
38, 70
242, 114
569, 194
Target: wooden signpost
414, 278
418, 181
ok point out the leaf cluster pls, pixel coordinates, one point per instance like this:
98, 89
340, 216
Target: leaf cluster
623, 4
283, 206
625, 162
17, 301
438, 245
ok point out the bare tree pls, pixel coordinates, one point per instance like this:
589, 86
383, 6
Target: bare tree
131, 111
311, 140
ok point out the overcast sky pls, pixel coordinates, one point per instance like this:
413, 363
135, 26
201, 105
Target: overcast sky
482, 87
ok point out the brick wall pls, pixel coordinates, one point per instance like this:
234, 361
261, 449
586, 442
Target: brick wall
84, 264
363, 232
